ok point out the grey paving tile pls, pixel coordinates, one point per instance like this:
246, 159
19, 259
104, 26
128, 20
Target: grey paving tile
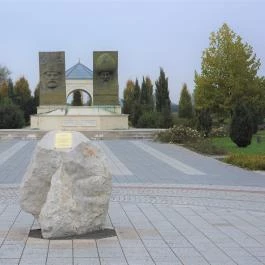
61, 244
35, 243
230, 262
247, 261
9, 261
257, 252
168, 262
108, 252
11, 251
85, 253
60, 253
161, 254
111, 242
179, 242
196, 260
140, 261
135, 252
34, 253
131, 243
32, 261
236, 252
154, 243
86, 261
59, 261
186, 252
113, 261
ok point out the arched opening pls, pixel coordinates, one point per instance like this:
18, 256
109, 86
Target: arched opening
79, 96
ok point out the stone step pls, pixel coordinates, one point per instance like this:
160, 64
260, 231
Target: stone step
97, 135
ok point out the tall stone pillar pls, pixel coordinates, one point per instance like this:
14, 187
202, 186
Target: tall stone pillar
105, 78
52, 78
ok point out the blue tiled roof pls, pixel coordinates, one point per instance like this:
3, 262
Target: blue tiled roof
79, 71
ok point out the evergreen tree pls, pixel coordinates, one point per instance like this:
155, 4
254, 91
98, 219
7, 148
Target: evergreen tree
11, 116
241, 128
136, 91
10, 89
144, 93
37, 95
162, 93
128, 97
150, 96
23, 98
185, 105
22, 91
77, 98
163, 103
4, 89
204, 123
4, 74
136, 106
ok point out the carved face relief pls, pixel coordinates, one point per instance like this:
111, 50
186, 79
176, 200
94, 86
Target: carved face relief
105, 76
51, 78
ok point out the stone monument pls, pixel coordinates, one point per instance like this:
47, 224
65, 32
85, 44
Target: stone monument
52, 78
55, 114
105, 78
67, 185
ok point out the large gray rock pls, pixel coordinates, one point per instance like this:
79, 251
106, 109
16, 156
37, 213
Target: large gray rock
67, 190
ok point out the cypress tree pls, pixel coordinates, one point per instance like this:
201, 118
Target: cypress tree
136, 106
77, 99
143, 94
163, 103
241, 128
185, 105
150, 96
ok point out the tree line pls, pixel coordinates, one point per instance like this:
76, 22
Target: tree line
148, 108
228, 91
16, 101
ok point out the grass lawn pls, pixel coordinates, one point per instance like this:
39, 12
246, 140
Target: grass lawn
254, 149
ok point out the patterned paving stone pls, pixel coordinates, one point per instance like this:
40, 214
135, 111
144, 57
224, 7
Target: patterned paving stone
168, 221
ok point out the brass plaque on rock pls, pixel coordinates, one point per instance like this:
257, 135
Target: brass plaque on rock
63, 140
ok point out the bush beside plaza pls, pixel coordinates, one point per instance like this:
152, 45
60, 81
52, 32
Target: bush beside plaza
253, 162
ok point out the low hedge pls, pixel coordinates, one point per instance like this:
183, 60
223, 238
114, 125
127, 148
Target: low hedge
253, 162
205, 146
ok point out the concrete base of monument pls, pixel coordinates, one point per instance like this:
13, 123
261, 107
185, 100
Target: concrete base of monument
79, 118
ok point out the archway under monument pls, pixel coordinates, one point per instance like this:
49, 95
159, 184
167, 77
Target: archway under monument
100, 86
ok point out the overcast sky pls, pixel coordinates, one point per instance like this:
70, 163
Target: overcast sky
147, 34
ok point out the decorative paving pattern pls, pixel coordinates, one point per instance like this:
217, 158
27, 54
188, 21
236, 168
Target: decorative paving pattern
207, 196
162, 216
116, 167
186, 169
147, 232
11, 151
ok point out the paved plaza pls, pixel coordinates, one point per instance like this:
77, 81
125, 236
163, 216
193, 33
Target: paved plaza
169, 206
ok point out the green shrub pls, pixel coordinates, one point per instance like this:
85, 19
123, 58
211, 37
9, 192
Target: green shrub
221, 131
241, 128
148, 120
253, 162
179, 134
184, 122
205, 146
11, 117
204, 122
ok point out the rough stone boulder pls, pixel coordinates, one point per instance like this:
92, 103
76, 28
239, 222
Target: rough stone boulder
67, 190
